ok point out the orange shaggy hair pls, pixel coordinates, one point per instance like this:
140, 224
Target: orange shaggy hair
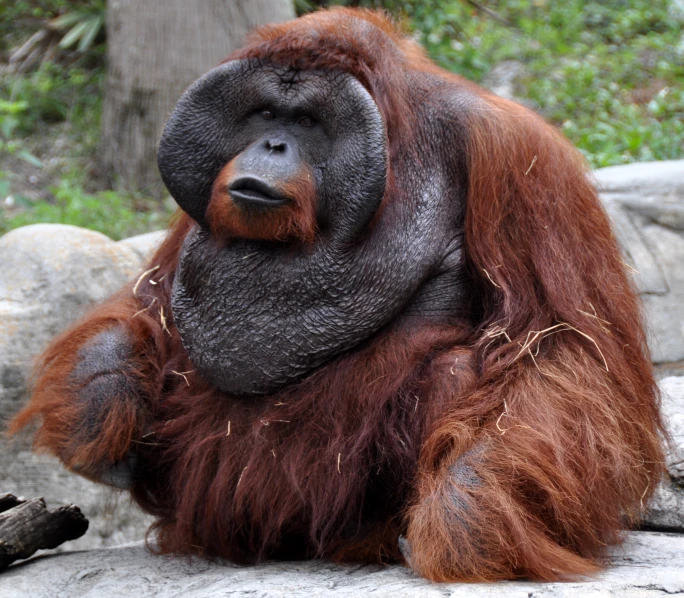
516, 443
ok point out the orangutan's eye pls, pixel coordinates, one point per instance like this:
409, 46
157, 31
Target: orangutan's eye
306, 121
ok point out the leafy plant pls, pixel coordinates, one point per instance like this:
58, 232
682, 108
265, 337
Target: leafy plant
9, 122
53, 94
610, 74
82, 25
118, 216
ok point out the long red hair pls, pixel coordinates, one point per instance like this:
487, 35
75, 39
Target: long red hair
517, 442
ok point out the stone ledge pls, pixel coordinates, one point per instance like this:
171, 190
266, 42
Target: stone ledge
648, 564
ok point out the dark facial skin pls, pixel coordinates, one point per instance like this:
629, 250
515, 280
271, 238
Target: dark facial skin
256, 315
286, 139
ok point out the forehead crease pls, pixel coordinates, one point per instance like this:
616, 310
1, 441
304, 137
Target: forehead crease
295, 88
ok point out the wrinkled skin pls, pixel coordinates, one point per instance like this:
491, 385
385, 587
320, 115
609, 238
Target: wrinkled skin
255, 315
103, 372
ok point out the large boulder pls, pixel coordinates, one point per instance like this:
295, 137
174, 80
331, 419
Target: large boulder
673, 412
144, 245
666, 510
646, 204
50, 275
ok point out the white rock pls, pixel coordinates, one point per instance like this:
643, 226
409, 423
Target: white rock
501, 79
666, 510
673, 413
145, 245
49, 275
646, 181
646, 204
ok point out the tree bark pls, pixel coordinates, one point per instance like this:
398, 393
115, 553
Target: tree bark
27, 526
155, 49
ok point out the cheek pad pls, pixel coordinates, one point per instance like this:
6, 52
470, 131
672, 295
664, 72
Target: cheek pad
206, 130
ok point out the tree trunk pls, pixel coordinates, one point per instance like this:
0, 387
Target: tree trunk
155, 49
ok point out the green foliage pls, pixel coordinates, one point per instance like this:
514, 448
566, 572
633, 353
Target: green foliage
82, 25
611, 74
54, 112
38, 9
37, 101
19, 17
117, 216
53, 94
10, 119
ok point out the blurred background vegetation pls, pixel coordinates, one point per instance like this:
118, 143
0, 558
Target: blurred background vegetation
610, 74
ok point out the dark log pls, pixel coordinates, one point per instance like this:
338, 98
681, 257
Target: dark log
27, 526
7, 501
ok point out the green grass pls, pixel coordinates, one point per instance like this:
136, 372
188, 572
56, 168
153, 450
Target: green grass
118, 216
610, 74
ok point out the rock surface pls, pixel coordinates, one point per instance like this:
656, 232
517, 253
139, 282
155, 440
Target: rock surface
666, 510
646, 204
648, 564
144, 245
502, 78
114, 519
50, 275
673, 413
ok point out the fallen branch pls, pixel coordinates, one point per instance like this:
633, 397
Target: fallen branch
27, 526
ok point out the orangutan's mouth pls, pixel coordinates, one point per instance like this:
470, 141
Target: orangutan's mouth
253, 192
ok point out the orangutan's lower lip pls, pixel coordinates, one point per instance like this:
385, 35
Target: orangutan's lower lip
252, 192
